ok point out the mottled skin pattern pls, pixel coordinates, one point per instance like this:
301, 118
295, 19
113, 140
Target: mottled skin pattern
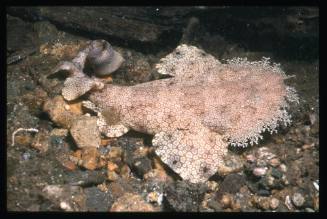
200, 110
174, 114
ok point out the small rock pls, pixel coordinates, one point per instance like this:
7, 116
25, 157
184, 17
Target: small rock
56, 108
90, 158
274, 203
34, 208
59, 132
250, 158
97, 200
261, 202
68, 198
182, 196
264, 153
308, 146
119, 188
78, 154
226, 200
41, 141
298, 199
106, 142
316, 185
260, 171
316, 202
274, 162
87, 178
313, 118
67, 163
270, 181
111, 166
132, 203
212, 186
125, 171
155, 197
233, 162
288, 202
142, 165
112, 176
283, 168
85, 132
115, 154
276, 173
231, 184
157, 175
23, 140
215, 205
26, 156
263, 192
309, 210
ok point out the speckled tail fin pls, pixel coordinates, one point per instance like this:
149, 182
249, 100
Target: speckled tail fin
187, 62
195, 156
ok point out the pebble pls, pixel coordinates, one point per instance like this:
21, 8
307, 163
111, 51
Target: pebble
274, 203
142, 165
97, 200
59, 132
212, 186
288, 202
26, 156
111, 166
67, 162
119, 188
232, 183
226, 200
274, 162
112, 176
309, 210
308, 146
112, 169
158, 175
90, 158
182, 196
212, 204
285, 180
250, 158
125, 171
41, 141
298, 199
316, 202
85, 132
24, 140
155, 197
58, 113
316, 185
130, 202
263, 192
261, 202
283, 168
67, 197
264, 153
260, 171
276, 173
115, 154
270, 180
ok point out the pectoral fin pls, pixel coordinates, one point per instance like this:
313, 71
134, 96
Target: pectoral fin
195, 156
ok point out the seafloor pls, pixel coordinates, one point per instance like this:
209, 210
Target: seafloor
47, 172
